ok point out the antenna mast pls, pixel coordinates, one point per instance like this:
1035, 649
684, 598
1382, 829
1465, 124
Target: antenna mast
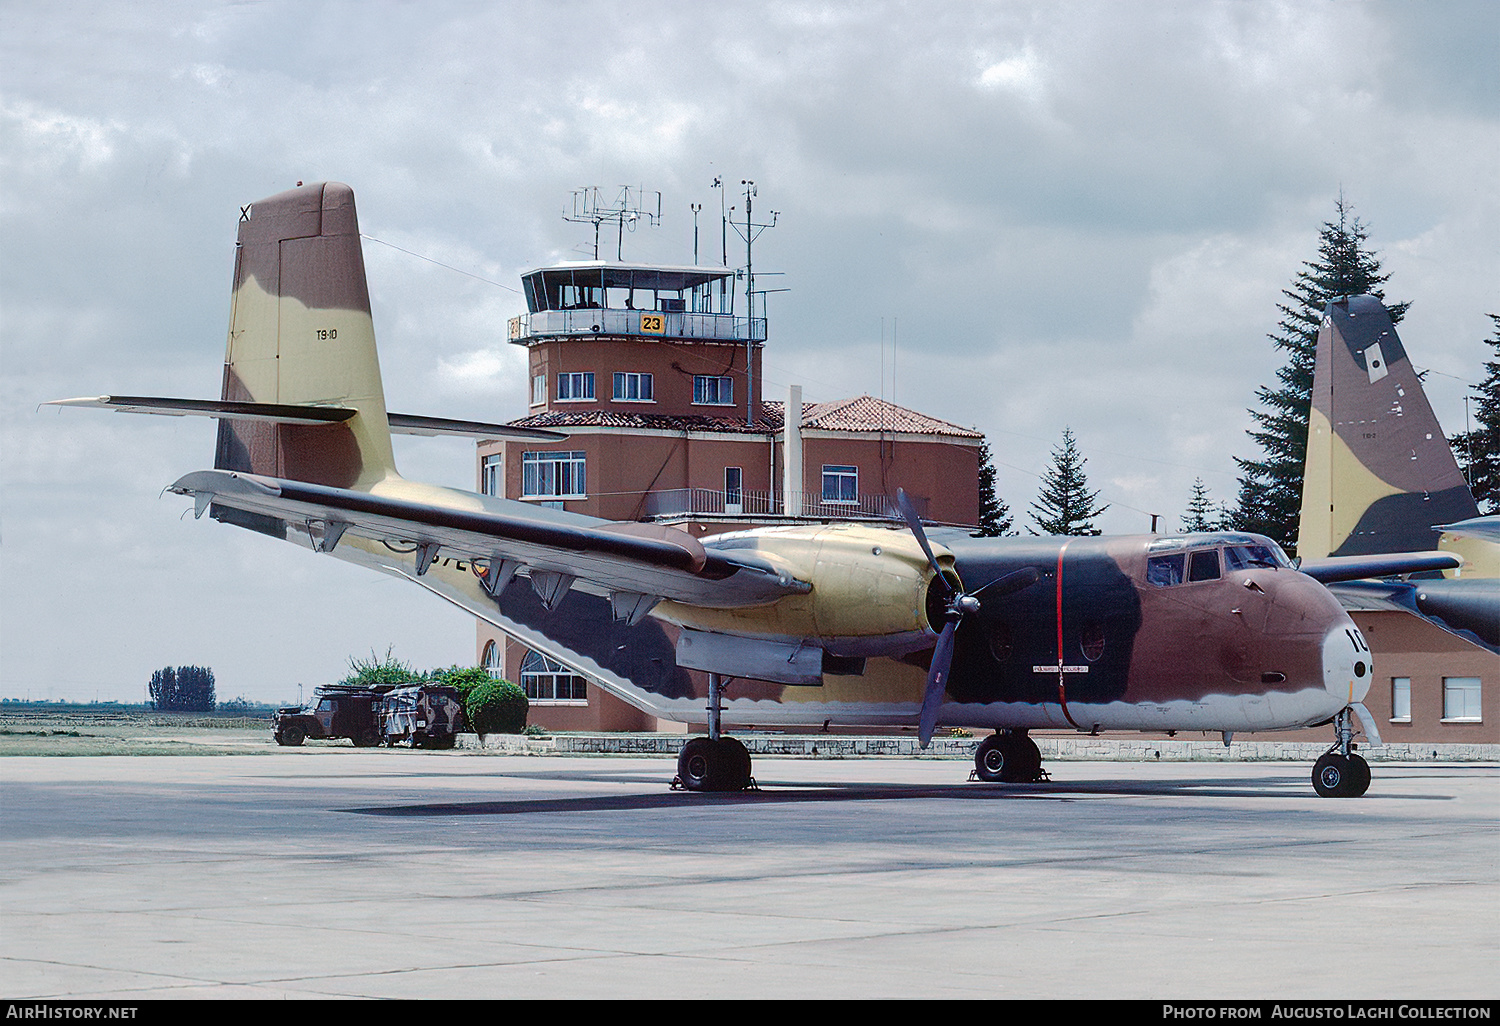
750, 231
628, 209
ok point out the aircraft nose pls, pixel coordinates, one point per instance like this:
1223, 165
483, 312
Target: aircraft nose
1347, 666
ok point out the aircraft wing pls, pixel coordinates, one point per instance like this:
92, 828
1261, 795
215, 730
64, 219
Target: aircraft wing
641, 560
1332, 569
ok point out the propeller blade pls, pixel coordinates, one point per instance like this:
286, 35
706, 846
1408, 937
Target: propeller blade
914, 522
937, 682
1011, 582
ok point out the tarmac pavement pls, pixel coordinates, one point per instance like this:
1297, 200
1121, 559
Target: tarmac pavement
330, 872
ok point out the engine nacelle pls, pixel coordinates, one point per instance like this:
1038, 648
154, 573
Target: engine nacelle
868, 597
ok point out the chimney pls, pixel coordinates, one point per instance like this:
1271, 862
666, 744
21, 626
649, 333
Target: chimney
791, 464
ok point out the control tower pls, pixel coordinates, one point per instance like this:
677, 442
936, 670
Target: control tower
637, 338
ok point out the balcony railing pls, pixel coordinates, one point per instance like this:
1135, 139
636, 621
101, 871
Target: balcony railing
645, 323
811, 505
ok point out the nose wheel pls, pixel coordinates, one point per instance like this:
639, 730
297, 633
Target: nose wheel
1340, 772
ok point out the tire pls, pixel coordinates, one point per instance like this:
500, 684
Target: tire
291, 736
1340, 776
707, 765
1359, 773
369, 739
1007, 759
991, 760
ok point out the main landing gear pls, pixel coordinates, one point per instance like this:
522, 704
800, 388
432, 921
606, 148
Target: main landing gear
716, 762
1340, 773
1009, 757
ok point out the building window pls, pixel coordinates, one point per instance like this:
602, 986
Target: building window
1400, 699
553, 475
633, 388
490, 477
840, 484
1461, 699
712, 391
539, 390
546, 681
493, 661
575, 387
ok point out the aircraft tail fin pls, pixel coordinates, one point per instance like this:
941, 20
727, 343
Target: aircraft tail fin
301, 335
1380, 474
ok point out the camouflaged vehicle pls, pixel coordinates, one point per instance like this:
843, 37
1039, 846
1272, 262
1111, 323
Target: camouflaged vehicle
426, 715
334, 712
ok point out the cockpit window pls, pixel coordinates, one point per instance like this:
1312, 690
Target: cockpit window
1203, 565
1245, 557
1165, 571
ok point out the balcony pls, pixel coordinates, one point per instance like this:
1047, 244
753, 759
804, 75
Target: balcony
678, 502
675, 324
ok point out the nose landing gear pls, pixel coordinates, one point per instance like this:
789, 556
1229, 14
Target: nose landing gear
1340, 773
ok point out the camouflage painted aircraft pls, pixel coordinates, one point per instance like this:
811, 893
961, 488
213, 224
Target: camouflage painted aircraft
814, 624
1381, 480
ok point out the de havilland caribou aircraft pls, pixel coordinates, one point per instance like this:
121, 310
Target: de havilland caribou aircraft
815, 624
1381, 479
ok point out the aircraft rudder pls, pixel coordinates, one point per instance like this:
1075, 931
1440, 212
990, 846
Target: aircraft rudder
1379, 471
301, 333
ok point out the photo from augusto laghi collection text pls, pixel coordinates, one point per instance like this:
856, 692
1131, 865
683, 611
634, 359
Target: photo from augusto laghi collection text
1328, 1010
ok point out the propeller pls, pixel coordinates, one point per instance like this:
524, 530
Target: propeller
956, 604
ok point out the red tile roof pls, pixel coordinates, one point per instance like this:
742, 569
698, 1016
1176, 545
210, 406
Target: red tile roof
861, 414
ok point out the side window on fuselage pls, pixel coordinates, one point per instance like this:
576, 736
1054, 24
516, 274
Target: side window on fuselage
1165, 571
1203, 565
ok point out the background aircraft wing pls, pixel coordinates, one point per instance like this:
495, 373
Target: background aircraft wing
615, 558
1354, 568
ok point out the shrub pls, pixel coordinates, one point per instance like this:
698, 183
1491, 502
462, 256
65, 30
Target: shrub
465, 678
377, 670
497, 707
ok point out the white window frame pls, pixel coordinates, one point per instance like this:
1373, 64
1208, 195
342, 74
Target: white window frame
1400, 699
637, 382
542, 678
575, 387
713, 390
539, 390
1461, 696
554, 475
839, 472
492, 474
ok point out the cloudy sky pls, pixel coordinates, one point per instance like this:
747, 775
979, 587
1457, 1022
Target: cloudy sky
1065, 214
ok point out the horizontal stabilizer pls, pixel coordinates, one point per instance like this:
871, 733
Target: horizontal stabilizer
1487, 528
223, 409
286, 413
1358, 568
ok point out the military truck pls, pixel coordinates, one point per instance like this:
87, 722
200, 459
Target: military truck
426, 715
335, 711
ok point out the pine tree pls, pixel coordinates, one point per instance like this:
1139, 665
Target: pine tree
1065, 504
1270, 498
1202, 515
1478, 450
994, 515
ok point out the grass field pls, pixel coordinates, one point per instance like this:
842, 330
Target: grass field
44, 729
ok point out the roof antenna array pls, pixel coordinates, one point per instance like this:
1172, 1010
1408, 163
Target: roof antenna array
629, 208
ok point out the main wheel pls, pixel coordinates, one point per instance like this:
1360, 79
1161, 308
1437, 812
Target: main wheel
1340, 776
1007, 758
708, 765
